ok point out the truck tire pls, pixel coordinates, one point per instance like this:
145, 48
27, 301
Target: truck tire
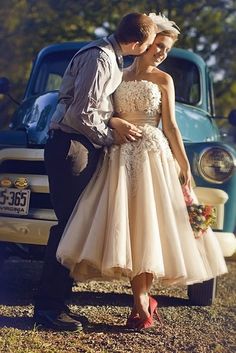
202, 294
2, 253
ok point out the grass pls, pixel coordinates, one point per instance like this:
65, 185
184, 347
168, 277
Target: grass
209, 329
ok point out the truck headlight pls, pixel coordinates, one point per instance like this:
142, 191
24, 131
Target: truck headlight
216, 164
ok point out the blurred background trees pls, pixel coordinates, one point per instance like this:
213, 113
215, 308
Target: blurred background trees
26, 26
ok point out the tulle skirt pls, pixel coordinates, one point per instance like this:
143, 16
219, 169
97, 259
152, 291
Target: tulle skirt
132, 218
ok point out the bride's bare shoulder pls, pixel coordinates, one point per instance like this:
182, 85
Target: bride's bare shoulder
161, 78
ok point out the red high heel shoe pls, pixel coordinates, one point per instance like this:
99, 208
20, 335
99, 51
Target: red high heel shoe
153, 309
148, 322
144, 324
132, 320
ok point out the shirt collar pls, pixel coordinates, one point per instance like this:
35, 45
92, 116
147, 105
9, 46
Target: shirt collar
117, 49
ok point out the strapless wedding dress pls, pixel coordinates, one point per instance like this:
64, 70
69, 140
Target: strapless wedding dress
132, 216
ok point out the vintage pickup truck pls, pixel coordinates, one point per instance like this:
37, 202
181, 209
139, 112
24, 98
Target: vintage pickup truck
26, 214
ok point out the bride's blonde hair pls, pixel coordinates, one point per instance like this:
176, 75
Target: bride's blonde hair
170, 34
165, 27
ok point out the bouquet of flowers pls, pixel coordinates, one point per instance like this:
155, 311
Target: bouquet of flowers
200, 216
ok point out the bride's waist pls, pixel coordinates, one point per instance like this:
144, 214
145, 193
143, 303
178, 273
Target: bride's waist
140, 118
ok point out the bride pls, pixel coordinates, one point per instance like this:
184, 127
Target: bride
132, 221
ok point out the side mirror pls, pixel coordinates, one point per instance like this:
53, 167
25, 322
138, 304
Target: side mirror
5, 89
232, 117
4, 85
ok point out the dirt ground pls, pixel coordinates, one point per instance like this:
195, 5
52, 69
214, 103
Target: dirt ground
104, 306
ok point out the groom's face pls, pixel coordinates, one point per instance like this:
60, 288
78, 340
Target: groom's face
141, 48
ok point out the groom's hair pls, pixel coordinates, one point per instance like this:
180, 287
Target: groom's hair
134, 27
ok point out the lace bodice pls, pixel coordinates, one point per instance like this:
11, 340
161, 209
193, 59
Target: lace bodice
138, 96
139, 102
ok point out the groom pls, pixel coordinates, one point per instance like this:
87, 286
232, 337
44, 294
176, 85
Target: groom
78, 130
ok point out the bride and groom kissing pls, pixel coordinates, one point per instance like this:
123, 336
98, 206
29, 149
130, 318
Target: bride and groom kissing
113, 179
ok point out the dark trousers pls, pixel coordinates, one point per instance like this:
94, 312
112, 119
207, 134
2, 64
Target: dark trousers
70, 161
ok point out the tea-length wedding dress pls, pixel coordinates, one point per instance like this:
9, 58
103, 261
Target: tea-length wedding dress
132, 217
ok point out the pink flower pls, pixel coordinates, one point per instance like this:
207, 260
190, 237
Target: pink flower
187, 195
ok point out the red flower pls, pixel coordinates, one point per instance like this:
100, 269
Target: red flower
200, 216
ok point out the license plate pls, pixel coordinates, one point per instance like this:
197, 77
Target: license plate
14, 201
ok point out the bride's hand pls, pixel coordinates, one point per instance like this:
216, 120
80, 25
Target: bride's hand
127, 131
185, 176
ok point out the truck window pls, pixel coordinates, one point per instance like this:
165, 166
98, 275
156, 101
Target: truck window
51, 71
186, 79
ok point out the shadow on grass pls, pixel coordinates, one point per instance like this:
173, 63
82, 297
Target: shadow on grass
14, 297
106, 328
22, 323
26, 323
120, 299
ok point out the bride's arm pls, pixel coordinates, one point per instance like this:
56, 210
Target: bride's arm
170, 127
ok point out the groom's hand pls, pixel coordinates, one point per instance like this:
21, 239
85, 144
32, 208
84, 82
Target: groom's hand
118, 140
124, 131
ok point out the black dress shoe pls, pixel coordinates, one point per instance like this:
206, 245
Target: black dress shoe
82, 319
58, 321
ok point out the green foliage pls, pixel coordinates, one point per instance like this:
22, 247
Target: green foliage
207, 27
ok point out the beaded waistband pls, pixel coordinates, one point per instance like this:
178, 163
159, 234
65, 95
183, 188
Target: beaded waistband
140, 118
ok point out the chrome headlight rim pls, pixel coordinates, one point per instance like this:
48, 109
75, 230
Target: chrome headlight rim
207, 177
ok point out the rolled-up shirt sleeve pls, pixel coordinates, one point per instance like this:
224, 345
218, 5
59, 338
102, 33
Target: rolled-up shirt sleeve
91, 70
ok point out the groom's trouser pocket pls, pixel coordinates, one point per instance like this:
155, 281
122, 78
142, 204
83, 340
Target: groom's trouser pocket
70, 161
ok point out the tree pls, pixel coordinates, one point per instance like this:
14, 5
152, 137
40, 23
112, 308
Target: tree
207, 27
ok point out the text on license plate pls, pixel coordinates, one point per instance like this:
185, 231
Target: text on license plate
14, 201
